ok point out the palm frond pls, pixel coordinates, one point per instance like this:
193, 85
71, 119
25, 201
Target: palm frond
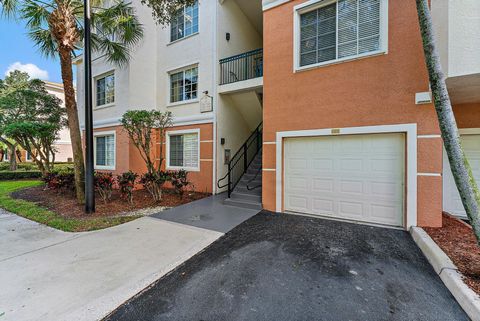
44, 41
116, 31
36, 14
9, 8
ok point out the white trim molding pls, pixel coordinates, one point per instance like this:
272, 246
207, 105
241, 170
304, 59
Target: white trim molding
167, 149
410, 130
428, 136
311, 5
469, 131
269, 4
204, 118
105, 133
430, 174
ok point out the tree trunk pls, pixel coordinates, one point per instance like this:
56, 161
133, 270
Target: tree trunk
73, 122
13, 157
459, 165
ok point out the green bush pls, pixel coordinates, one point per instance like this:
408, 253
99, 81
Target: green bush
30, 166
16, 175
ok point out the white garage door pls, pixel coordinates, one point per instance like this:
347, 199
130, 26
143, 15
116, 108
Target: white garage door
355, 177
451, 199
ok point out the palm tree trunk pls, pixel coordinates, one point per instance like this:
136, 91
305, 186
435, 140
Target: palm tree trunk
462, 173
73, 122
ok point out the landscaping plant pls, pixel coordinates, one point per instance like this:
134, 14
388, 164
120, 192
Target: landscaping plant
104, 185
154, 183
179, 181
461, 170
126, 182
141, 127
62, 179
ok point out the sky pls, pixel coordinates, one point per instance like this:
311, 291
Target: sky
17, 51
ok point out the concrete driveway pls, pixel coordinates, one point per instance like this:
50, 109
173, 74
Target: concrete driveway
300, 268
50, 275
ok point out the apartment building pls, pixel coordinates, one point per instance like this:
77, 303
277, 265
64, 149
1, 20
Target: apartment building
205, 68
349, 131
320, 107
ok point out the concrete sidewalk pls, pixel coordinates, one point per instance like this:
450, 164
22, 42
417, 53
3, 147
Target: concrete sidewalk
50, 275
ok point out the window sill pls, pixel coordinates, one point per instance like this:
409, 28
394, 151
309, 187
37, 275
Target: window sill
104, 106
104, 168
339, 61
179, 40
183, 102
188, 169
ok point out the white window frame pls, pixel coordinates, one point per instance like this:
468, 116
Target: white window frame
311, 5
177, 70
167, 149
100, 134
98, 77
188, 36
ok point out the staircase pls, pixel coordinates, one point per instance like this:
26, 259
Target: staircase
248, 192
244, 176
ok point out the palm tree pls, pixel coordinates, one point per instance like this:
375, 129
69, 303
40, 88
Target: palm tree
56, 28
462, 173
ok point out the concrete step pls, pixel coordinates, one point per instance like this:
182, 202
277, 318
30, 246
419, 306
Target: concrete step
248, 176
243, 204
249, 197
242, 188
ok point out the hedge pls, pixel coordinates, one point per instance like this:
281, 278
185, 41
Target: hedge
15, 175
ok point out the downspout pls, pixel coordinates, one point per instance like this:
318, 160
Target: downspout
215, 97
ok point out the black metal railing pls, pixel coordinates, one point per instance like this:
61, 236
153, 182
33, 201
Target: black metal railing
241, 67
239, 163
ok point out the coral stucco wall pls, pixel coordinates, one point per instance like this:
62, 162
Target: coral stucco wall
376, 90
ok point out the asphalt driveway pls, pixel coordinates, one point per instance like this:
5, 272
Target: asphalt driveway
286, 267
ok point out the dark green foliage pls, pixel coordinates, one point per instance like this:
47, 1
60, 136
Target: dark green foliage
154, 182
31, 117
104, 185
179, 181
140, 126
16, 175
126, 183
163, 10
60, 179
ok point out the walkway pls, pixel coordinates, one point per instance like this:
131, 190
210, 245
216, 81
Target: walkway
50, 275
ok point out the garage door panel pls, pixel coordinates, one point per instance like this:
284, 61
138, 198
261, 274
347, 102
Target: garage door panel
359, 178
451, 198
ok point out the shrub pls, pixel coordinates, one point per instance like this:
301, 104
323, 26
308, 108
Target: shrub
16, 175
60, 179
179, 181
126, 183
104, 185
154, 182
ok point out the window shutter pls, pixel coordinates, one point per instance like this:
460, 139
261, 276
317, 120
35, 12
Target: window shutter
110, 150
100, 151
190, 150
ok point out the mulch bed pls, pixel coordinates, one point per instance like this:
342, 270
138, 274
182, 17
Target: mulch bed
65, 204
457, 240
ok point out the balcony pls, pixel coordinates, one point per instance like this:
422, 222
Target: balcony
242, 72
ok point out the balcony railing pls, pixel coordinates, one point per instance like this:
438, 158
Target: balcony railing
241, 67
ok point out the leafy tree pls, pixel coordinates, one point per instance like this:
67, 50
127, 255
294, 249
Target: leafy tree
461, 170
56, 28
31, 117
140, 126
164, 10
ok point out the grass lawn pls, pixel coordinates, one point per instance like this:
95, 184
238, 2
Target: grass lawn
41, 215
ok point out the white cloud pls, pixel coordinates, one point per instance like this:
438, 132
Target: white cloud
31, 69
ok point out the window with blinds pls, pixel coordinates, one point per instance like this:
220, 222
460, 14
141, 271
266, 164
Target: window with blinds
105, 151
184, 151
346, 28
